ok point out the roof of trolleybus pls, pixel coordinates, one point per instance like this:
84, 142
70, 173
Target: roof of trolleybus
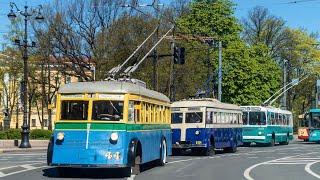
205, 102
264, 109
111, 87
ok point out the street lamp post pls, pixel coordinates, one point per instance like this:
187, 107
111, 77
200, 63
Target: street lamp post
12, 15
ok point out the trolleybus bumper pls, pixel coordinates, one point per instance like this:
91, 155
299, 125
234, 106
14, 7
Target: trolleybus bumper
91, 165
188, 146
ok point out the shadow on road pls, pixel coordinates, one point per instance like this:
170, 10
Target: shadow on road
93, 173
85, 173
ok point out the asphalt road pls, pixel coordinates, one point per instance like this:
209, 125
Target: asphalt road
297, 160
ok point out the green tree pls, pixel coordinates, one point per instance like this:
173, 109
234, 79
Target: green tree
250, 76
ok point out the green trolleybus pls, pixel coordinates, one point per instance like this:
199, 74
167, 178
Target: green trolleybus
266, 125
110, 124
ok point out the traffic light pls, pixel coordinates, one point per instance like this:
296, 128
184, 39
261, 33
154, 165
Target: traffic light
179, 55
182, 55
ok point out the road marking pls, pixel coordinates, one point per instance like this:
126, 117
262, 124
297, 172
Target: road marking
307, 168
284, 163
17, 172
246, 173
184, 167
27, 166
131, 177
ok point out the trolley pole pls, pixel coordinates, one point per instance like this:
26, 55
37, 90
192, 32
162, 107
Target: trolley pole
220, 72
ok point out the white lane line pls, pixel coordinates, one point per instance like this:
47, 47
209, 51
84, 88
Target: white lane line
246, 173
307, 168
184, 160
2, 174
21, 165
27, 166
184, 167
284, 163
131, 177
17, 172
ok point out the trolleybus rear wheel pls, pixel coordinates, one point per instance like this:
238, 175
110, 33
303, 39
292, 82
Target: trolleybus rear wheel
286, 142
163, 153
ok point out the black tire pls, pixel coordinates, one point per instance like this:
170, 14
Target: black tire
246, 144
273, 142
135, 167
49, 153
286, 142
163, 153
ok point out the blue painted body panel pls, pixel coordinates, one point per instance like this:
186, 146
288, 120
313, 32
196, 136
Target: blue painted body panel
75, 149
223, 137
314, 135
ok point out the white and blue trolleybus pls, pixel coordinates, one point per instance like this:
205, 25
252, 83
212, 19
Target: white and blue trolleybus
205, 125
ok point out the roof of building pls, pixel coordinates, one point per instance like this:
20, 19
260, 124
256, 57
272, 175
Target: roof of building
112, 87
204, 102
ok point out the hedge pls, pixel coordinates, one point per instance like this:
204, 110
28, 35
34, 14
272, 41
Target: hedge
34, 134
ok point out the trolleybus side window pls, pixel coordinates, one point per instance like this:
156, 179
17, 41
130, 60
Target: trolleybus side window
137, 111
176, 118
106, 110
131, 113
194, 117
209, 119
74, 110
257, 118
245, 118
215, 117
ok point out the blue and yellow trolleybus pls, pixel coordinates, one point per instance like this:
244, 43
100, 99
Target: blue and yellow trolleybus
110, 124
309, 127
266, 125
204, 125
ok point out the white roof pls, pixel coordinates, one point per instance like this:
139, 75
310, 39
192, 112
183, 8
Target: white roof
111, 87
205, 102
266, 108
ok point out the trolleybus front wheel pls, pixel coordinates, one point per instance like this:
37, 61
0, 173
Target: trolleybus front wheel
163, 153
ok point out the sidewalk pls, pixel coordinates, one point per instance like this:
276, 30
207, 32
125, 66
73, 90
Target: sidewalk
13, 146
16, 149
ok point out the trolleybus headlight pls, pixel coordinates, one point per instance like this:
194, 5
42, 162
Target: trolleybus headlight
197, 132
60, 136
114, 136
116, 155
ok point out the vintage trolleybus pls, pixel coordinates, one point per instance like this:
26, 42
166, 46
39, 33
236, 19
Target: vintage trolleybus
110, 124
205, 125
309, 127
266, 125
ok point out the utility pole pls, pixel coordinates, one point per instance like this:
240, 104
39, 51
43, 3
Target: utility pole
284, 98
220, 72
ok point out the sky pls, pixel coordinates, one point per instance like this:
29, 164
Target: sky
302, 14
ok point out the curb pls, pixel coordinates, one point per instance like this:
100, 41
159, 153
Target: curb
22, 150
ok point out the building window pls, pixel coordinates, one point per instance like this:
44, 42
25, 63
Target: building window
33, 122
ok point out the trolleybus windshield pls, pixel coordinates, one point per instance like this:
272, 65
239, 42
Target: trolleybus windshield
74, 110
176, 118
107, 110
245, 118
315, 120
257, 118
194, 117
